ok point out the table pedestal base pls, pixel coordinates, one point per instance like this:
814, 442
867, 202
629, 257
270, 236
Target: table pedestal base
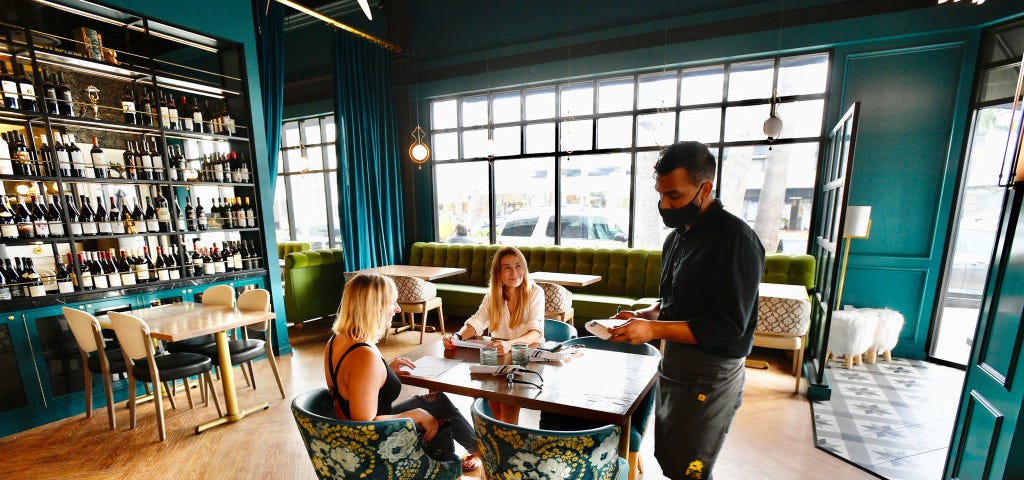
230, 418
763, 365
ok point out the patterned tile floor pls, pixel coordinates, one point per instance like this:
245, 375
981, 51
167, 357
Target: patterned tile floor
893, 419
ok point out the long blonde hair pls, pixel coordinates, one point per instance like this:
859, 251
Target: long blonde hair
496, 297
366, 307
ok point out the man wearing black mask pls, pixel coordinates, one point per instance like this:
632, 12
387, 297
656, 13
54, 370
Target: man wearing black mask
710, 271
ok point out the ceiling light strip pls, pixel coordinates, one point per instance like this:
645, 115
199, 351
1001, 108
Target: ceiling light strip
337, 24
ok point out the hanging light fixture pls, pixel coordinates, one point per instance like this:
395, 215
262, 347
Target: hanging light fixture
772, 127
419, 151
365, 6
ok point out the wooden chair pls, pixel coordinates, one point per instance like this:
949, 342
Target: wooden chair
418, 296
86, 330
513, 451
373, 450
245, 350
143, 365
557, 302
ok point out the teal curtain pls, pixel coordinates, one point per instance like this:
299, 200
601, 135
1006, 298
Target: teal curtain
270, 45
369, 177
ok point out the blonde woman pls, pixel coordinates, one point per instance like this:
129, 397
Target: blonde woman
364, 386
512, 311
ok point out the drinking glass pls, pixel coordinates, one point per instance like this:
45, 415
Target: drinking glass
488, 355
520, 354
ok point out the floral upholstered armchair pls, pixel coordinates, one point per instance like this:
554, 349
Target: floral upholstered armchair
510, 451
388, 449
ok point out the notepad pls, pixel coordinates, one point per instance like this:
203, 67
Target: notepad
433, 366
600, 327
472, 342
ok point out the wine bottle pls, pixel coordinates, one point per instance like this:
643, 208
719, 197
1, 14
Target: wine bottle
163, 213
64, 96
190, 215
125, 270
27, 89
114, 218
6, 165
130, 167
85, 279
99, 277
144, 112
77, 160
5, 288
73, 216
50, 94
63, 157
99, 162
179, 159
179, 217
250, 214
144, 161
12, 99
227, 121
55, 218
101, 219
165, 118
157, 160
171, 260
45, 156
13, 279
33, 282
39, 222
197, 116
139, 219
154, 274
236, 256
110, 270
160, 265
87, 217
8, 223
209, 264
185, 116
198, 267
257, 259
172, 113
128, 106
26, 229
22, 156
140, 268
174, 169
63, 274
152, 219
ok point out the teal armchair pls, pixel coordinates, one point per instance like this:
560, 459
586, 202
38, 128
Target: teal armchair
381, 450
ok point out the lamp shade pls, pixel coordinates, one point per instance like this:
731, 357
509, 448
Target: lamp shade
858, 221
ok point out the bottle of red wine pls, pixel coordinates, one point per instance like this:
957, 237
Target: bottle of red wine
101, 218
73, 216
26, 229
8, 223
99, 277
50, 94
145, 110
109, 269
139, 219
39, 221
63, 156
27, 89
99, 162
128, 106
87, 217
152, 219
130, 167
125, 270
201, 219
31, 279
114, 217
64, 96
64, 274
12, 99
55, 219
163, 212
154, 275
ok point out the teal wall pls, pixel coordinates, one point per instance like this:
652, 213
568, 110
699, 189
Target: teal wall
231, 20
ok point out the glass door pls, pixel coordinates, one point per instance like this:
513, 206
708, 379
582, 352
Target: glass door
980, 198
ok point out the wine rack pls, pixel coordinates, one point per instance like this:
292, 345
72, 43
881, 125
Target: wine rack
122, 101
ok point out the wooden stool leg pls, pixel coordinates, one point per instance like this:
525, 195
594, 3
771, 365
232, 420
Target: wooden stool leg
887, 356
848, 361
872, 355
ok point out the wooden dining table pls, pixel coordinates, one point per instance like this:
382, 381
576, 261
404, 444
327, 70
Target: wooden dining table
600, 385
421, 272
565, 279
184, 320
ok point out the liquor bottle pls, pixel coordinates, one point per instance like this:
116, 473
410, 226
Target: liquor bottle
197, 260
243, 251
218, 168
26, 229
139, 219
50, 95
64, 96
185, 116
182, 163
110, 270
152, 218
8, 223
210, 264
55, 219
5, 288
99, 277
63, 157
144, 161
236, 256
202, 222
73, 216
243, 168
250, 214
6, 165
227, 121
160, 265
27, 89
22, 157
101, 218
144, 112
165, 118
114, 218
175, 172
154, 274
172, 113
33, 282
45, 157
125, 270
63, 274
130, 167
85, 279
140, 268
13, 279
190, 215
99, 162
163, 212
39, 222
77, 160
12, 99
197, 116
157, 160
177, 214
173, 269
257, 259
128, 106
87, 217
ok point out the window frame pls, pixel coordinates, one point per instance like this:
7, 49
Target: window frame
284, 177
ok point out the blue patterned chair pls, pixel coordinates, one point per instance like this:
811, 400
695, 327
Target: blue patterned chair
511, 451
388, 449
557, 331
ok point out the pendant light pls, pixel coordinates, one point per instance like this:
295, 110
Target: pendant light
419, 151
772, 127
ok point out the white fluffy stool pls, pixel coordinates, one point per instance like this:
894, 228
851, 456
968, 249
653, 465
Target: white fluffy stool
851, 334
887, 333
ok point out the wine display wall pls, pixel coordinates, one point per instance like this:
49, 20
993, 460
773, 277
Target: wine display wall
123, 169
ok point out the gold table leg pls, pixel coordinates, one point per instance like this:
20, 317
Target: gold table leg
757, 364
227, 378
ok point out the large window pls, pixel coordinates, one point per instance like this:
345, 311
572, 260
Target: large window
306, 184
572, 163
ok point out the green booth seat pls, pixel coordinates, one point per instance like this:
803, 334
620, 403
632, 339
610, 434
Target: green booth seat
284, 248
313, 284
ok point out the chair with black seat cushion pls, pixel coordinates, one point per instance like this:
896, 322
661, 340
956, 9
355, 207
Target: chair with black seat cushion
144, 365
512, 451
95, 358
558, 331
215, 296
375, 450
641, 416
245, 350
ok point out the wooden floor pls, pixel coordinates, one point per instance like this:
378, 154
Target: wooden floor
770, 439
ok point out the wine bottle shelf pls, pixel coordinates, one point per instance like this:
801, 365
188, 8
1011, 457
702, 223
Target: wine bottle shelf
83, 238
18, 115
102, 125
173, 183
187, 135
211, 184
29, 178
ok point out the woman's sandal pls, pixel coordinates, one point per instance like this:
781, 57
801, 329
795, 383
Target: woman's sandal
471, 462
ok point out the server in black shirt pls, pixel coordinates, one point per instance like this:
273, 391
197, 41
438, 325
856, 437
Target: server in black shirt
710, 271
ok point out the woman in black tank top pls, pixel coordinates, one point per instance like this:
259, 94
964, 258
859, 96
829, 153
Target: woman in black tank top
364, 386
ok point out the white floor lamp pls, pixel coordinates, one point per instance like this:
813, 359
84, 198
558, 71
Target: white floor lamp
858, 225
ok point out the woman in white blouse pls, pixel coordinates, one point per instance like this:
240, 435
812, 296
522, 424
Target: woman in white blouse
512, 311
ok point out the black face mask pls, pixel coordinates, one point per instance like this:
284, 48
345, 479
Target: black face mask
682, 216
